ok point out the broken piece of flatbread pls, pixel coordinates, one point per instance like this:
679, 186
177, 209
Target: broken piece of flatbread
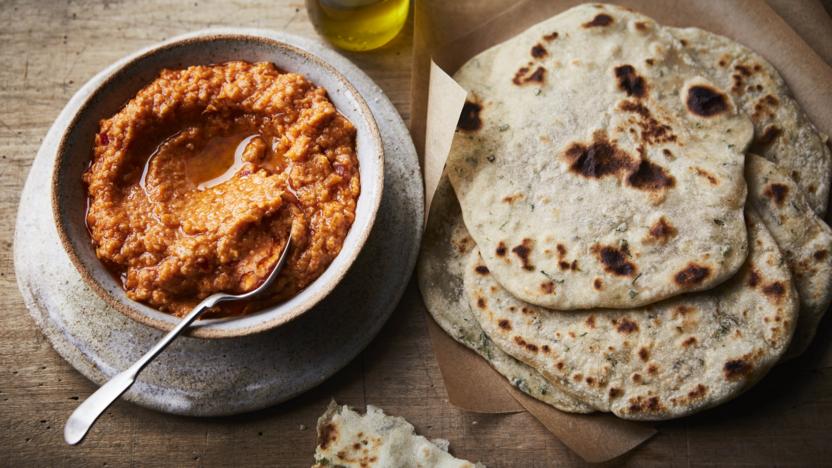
374, 439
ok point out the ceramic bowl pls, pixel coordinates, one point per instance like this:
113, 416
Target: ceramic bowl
75, 151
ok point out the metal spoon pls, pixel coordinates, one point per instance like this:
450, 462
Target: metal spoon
85, 415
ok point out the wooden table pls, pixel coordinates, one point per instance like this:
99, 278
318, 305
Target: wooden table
48, 49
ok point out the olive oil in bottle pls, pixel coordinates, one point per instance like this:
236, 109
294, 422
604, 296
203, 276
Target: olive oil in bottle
358, 25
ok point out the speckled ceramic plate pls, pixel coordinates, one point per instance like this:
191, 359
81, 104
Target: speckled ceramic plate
220, 377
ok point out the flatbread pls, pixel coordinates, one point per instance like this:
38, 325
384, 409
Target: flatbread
349, 439
597, 167
804, 239
663, 361
446, 248
783, 133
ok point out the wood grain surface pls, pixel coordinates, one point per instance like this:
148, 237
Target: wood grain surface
47, 50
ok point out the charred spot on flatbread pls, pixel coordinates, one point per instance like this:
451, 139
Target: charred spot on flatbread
598, 159
469, 120
538, 51
614, 260
692, 275
551, 36
598, 284
706, 101
625, 326
776, 192
504, 324
525, 344
753, 278
522, 251
600, 20
741, 72
590, 321
630, 82
567, 266
328, 434
481, 269
737, 369
706, 175
462, 243
513, 198
501, 249
661, 231
698, 392
820, 255
767, 138
645, 405
524, 76
652, 131
650, 176
765, 106
774, 291
537, 75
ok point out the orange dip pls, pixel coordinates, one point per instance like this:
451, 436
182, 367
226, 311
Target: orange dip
197, 182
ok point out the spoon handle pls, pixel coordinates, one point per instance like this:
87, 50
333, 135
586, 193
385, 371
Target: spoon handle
85, 415
88, 412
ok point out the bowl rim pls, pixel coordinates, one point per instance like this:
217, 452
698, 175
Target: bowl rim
207, 331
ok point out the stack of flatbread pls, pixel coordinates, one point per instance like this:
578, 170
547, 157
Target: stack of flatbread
630, 220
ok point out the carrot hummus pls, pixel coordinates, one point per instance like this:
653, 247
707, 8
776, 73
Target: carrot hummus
197, 182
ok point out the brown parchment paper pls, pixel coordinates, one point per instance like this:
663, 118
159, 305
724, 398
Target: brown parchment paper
476, 398
811, 21
448, 33
445, 102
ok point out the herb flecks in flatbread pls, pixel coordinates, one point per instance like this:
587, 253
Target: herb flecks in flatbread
662, 361
445, 251
622, 128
